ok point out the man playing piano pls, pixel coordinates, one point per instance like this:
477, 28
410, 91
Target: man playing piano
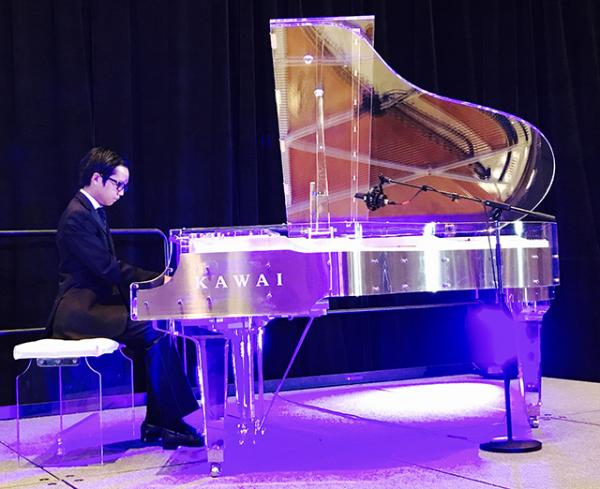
93, 298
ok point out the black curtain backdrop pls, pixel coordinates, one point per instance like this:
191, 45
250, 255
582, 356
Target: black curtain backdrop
184, 90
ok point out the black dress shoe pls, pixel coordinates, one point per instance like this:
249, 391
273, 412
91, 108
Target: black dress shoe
150, 432
173, 439
179, 434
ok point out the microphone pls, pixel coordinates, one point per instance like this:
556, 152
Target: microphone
374, 198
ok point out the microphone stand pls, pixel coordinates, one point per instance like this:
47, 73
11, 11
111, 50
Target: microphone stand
510, 368
492, 204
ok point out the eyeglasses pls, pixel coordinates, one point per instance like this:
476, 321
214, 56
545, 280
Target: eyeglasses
120, 186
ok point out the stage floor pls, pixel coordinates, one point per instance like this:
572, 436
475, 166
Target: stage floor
415, 434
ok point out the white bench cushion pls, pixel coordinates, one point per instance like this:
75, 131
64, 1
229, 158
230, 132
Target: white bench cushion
54, 348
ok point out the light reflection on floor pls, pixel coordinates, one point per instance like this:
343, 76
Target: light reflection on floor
416, 403
397, 434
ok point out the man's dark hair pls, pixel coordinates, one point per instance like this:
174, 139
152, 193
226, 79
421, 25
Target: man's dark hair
100, 160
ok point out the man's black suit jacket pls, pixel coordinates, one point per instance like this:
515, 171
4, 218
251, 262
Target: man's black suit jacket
93, 284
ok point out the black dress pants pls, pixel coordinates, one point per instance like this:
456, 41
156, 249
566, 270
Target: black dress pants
169, 394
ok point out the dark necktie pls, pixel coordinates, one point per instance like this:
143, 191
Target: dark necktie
102, 215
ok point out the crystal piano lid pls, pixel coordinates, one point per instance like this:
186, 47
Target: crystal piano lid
345, 117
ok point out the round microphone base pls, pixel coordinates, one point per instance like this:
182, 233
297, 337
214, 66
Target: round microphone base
504, 445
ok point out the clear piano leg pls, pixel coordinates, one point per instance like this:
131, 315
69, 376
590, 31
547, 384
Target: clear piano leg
213, 355
528, 347
528, 307
260, 380
246, 344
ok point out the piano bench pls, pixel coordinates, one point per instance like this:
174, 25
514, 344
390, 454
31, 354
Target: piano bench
62, 394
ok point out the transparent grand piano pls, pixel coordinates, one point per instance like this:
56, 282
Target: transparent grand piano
345, 118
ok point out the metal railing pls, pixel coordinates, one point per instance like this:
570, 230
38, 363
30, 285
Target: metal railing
32, 233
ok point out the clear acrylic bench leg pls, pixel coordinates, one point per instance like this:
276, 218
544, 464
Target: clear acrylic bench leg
61, 414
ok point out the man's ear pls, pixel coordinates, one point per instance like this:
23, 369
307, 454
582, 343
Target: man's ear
96, 177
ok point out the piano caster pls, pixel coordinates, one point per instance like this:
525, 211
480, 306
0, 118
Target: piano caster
215, 457
215, 470
534, 421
